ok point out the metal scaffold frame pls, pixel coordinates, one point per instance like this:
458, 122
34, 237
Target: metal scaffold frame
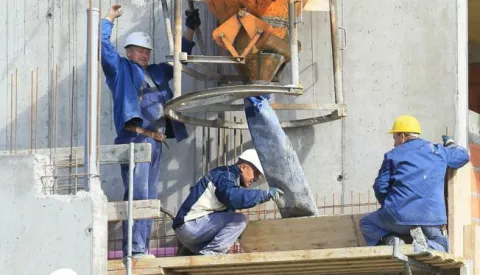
218, 97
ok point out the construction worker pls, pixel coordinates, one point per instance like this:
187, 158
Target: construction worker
410, 188
206, 223
139, 92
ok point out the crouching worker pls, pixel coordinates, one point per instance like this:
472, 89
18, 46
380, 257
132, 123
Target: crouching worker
206, 223
410, 188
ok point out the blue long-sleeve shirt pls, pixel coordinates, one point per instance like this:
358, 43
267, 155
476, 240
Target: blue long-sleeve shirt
124, 78
410, 183
218, 191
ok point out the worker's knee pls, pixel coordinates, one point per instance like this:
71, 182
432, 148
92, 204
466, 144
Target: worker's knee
368, 223
241, 219
364, 222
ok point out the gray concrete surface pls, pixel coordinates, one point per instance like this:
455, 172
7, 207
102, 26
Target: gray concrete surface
42, 233
399, 57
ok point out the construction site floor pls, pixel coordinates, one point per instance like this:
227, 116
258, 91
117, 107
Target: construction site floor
356, 260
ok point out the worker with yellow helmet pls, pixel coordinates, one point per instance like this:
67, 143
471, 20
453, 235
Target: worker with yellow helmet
410, 188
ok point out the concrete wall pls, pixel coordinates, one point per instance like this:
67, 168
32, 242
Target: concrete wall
43, 233
400, 57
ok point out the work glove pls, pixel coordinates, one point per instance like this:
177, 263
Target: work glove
193, 19
447, 141
274, 193
114, 12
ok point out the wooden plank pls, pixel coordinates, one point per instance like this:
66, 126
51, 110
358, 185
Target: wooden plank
108, 154
319, 261
459, 206
276, 257
315, 266
144, 209
302, 233
471, 249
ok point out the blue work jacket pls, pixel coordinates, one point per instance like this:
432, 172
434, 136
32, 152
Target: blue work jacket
219, 190
124, 78
410, 183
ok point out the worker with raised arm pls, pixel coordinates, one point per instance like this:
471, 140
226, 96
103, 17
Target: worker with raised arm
207, 223
410, 188
139, 91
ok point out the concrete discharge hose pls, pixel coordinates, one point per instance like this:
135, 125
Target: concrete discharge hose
279, 161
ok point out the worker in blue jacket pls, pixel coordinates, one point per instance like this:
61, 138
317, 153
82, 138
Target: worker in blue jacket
207, 223
410, 188
139, 91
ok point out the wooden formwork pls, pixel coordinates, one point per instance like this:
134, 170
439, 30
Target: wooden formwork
310, 245
357, 260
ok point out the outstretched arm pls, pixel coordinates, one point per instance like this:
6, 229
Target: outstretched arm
457, 156
192, 22
110, 56
235, 197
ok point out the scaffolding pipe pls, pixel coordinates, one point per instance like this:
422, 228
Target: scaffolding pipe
177, 66
292, 29
91, 99
336, 53
131, 169
168, 25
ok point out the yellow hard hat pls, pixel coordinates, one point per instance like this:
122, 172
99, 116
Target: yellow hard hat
406, 124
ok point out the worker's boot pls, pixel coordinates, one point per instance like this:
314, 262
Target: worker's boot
138, 256
184, 251
418, 237
388, 240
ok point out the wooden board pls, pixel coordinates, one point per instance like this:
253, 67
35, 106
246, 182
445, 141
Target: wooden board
459, 206
302, 233
108, 154
358, 260
471, 249
144, 209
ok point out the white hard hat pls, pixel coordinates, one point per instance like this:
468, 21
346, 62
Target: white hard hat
64, 271
251, 156
140, 39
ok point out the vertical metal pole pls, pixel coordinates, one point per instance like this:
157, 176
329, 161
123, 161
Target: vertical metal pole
461, 120
131, 169
91, 99
292, 28
168, 25
336, 53
177, 66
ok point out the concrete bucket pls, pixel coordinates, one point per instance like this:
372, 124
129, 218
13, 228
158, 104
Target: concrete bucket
257, 31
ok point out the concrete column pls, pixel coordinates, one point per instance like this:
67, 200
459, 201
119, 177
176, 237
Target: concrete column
42, 232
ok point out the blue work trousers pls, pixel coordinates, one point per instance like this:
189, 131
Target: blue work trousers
374, 228
145, 187
212, 234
